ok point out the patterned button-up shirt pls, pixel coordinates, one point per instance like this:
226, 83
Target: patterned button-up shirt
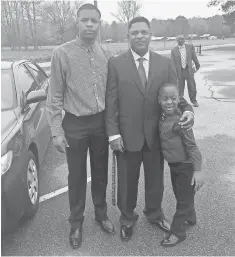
178, 145
183, 56
77, 83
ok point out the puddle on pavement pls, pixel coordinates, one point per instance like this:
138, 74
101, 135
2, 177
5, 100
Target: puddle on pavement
220, 74
223, 75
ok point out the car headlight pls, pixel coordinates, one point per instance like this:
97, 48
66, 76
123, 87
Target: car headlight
6, 161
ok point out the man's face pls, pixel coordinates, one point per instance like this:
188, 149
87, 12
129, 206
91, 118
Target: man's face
169, 99
180, 40
139, 37
88, 24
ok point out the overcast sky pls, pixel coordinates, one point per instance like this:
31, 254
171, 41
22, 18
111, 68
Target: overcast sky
161, 9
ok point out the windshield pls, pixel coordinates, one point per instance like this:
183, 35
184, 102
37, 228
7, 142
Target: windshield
7, 91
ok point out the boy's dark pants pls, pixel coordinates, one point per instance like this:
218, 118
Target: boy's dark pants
82, 133
181, 177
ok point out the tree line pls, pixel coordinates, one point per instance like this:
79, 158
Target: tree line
36, 23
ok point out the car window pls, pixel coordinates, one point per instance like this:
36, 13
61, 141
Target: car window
39, 76
7, 90
25, 81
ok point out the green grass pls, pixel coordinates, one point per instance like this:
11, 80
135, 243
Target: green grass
44, 53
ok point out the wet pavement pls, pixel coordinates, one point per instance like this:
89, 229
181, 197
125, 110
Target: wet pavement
214, 234
218, 70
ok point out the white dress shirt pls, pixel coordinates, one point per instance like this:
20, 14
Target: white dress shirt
182, 50
145, 63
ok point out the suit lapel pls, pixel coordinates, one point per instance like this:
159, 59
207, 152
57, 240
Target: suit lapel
150, 73
133, 70
155, 69
187, 52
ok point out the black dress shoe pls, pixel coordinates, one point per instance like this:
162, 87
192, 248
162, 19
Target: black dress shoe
195, 104
163, 225
171, 240
107, 226
75, 237
126, 233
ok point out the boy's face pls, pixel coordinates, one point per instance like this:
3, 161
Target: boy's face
169, 99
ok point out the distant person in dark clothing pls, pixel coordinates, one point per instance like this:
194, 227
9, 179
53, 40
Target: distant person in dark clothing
184, 159
182, 56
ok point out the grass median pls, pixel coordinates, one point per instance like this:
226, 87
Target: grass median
44, 52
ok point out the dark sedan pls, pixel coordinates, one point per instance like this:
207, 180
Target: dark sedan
25, 136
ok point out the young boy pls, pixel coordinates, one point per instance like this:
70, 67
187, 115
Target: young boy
184, 159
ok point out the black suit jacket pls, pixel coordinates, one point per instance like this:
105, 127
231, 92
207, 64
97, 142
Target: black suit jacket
130, 110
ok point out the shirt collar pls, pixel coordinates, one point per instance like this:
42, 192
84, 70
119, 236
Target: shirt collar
83, 45
181, 47
136, 56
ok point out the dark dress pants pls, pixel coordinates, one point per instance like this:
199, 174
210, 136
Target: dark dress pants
83, 133
181, 177
192, 91
128, 178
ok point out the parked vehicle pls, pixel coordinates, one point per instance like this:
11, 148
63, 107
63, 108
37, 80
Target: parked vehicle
25, 136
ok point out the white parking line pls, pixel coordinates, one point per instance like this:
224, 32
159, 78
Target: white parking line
56, 192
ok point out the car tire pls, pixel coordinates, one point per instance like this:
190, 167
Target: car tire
31, 189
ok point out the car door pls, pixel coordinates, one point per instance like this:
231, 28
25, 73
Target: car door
34, 123
43, 133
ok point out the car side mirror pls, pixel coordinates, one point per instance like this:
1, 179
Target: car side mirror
36, 96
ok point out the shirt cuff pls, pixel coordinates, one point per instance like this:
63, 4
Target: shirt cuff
111, 138
57, 131
197, 166
189, 112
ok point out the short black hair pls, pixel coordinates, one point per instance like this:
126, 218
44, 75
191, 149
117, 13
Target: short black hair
168, 84
138, 19
88, 7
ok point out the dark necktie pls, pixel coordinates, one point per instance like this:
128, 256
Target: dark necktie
141, 71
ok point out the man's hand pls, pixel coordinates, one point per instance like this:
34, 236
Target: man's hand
187, 120
197, 180
60, 143
117, 144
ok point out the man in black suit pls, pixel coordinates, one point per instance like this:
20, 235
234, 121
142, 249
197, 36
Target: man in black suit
183, 57
132, 115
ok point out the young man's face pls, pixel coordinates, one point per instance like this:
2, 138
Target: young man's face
139, 37
88, 24
169, 99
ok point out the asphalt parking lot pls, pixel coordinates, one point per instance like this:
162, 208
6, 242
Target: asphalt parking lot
214, 235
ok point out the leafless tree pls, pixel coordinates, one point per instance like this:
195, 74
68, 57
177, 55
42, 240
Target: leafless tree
62, 14
127, 10
32, 10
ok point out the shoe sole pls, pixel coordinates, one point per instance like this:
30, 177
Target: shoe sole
125, 239
172, 245
75, 247
160, 227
